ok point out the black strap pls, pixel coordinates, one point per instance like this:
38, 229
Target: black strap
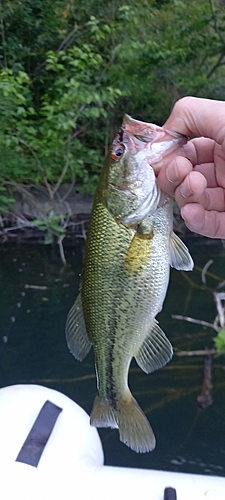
39, 434
170, 494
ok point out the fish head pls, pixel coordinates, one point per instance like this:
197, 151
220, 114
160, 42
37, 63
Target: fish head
133, 192
158, 143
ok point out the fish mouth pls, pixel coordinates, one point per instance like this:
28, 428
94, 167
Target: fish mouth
179, 138
138, 128
149, 132
176, 135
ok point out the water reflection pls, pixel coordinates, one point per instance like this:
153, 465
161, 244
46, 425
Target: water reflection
189, 439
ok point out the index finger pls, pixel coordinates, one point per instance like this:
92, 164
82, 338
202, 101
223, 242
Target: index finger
207, 223
199, 150
199, 117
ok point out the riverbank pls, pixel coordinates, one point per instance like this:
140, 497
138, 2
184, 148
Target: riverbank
36, 218
33, 209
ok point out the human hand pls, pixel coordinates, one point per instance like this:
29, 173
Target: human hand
197, 179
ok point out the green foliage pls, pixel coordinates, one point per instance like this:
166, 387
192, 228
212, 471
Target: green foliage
220, 342
47, 141
5, 200
52, 226
69, 70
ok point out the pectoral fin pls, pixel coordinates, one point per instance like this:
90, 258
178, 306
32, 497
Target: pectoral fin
139, 252
76, 335
155, 352
179, 255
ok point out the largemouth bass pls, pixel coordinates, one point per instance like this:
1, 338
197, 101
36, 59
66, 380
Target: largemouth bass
129, 250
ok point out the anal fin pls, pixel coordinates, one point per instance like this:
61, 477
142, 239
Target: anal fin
76, 334
156, 350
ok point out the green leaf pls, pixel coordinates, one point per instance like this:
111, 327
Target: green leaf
48, 239
220, 342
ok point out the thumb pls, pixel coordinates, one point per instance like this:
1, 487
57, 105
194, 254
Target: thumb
198, 117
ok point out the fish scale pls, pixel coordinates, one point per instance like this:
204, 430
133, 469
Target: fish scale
129, 250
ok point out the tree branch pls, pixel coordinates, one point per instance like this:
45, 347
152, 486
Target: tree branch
200, 352
217, 65
48, 186
196, 321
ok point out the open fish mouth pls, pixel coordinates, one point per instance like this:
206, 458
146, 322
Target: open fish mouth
149, 132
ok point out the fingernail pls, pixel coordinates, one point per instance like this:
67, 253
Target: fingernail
185, 189
182, 214
171, 173
182, 193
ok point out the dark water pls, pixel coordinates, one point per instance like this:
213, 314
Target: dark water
189, 439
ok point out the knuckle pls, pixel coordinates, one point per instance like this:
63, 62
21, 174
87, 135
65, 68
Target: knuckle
183, 103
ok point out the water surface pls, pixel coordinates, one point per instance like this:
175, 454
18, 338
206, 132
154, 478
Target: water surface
33, 350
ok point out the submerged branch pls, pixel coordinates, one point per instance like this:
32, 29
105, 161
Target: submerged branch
61, 250
37, 287
208, 273
196, 321
189, 280
218, 297
205, 398
205, 269
200, 352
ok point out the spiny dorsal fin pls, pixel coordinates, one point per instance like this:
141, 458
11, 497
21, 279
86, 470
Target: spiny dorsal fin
179, 255
156, 350
76, 335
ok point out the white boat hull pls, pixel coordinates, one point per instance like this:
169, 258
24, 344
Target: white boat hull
70, 463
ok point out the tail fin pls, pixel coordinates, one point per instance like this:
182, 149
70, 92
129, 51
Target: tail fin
103, 415
134, 428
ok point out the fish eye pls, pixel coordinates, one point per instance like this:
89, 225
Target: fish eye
144, 138
117, 152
